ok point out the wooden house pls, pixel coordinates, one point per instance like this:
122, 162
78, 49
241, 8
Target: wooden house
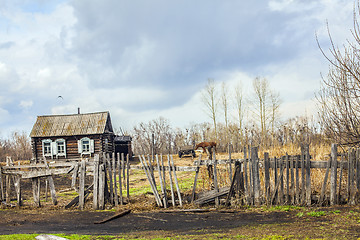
75, 136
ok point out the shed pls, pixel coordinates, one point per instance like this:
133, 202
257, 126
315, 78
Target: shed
72, 136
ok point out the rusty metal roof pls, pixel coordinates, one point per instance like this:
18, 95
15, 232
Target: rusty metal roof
70, 125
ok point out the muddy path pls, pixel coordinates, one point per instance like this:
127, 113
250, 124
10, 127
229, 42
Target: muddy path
340, 223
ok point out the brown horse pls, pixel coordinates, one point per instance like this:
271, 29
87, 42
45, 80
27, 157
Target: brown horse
205, 145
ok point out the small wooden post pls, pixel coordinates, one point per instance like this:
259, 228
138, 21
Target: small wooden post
102, 186
50, 181
96, 183
267, 177
18, 189
176, 182
36, 190
82, 185
351, 172
308, 177
171, 182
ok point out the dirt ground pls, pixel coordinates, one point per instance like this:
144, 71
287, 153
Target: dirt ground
341, 222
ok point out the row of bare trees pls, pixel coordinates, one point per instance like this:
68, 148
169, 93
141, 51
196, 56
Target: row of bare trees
17, 146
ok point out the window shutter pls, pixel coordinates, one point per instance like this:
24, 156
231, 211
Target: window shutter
79, 146
43, 149
65, 148
54, 148
92, 146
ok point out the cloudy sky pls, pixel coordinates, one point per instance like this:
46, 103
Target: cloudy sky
143, 59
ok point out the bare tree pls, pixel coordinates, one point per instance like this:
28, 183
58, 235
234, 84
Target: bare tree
211, 101
266, 104
224, 101
239, 98
339, 95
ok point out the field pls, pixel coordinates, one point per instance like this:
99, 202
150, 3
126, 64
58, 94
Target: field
147, 221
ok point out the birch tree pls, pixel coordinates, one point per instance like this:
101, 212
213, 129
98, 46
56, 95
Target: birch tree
211, 101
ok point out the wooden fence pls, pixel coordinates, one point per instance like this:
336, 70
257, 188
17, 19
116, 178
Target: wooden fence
254, 181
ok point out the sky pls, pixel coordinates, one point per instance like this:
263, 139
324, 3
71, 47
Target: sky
143, 59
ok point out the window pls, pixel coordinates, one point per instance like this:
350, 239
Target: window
60, 147
86, 145
46, 146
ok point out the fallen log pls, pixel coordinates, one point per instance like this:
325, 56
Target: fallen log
123, 213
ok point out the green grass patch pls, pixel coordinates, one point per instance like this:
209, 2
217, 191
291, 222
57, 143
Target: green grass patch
316, 213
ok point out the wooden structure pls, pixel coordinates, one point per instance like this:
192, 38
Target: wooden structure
74, 136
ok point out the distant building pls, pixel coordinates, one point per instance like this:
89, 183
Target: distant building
76, 135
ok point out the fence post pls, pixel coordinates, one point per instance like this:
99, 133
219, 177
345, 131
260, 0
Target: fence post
96, 183
120, 166
267, 177
256, 176
82, 185
102, 185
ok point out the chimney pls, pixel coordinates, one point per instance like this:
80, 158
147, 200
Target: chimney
78, 110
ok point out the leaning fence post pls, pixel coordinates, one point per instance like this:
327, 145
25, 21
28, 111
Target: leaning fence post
176, 181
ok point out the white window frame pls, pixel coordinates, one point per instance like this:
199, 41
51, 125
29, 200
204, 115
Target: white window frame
58, 143
48, 154
81, 145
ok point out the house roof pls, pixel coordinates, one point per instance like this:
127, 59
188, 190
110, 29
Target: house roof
70, 125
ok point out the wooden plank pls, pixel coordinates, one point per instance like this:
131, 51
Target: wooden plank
127, 177
357, 167
230, 166
116, 198
161, 182
246, 185
109, 171
151, 181
323, 188
195, 179
255, 161
102, 184
333, 176
342, 163
164, 179
122, 213
217, 201
1, 185
96, 183
288, 178
120, 161
276, 180
171, 182
36, 191
18, 190
176, 182
292, 177
308, 176
302, 162
82, 185
232, 186
281, 180
297, 180
267, 177
211, 195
